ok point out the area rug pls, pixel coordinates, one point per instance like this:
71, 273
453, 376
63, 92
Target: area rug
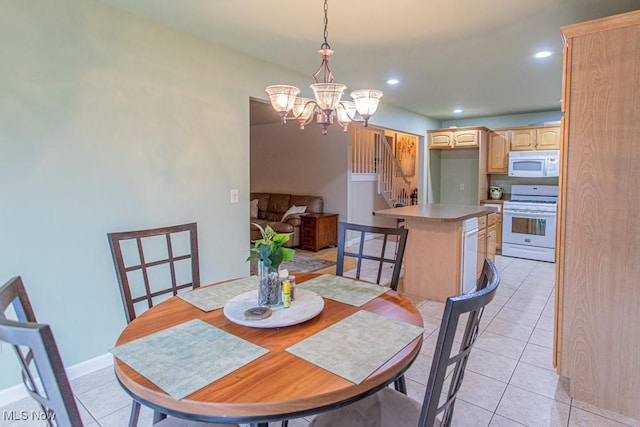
299, 264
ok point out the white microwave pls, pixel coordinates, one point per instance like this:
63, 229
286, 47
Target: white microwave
534, 164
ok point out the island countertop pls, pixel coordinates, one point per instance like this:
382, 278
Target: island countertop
436, 212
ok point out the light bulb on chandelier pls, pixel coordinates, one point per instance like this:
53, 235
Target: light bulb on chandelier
327, 103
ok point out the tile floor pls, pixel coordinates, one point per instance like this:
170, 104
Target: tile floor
509, 381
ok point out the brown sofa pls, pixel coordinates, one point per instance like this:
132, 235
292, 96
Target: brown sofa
271, 208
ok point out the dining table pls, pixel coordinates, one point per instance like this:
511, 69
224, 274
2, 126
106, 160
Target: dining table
189, 360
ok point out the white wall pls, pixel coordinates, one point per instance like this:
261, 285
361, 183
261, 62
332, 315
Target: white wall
364, 200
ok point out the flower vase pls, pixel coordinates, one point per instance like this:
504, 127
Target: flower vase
269, 294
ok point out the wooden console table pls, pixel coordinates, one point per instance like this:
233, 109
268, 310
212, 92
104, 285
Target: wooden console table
319, 231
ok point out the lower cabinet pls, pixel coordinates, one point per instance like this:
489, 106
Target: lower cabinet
498, 223
482, 249
487, 232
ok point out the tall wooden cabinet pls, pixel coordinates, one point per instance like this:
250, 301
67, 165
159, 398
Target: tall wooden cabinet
598, 269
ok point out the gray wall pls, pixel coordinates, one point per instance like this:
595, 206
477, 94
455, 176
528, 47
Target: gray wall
511, 120
111, 123
285, 159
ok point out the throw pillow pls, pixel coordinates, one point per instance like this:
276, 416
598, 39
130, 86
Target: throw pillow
254, 208
293, 210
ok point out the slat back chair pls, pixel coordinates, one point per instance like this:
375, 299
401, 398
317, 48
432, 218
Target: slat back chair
472, 305
361, 233
152, 265
43, 373
388, 408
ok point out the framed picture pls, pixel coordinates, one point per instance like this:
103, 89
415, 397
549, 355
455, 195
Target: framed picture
405, 151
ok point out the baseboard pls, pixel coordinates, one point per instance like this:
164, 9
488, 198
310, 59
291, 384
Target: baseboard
17, 392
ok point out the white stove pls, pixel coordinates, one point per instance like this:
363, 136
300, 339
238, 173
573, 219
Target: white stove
529, 225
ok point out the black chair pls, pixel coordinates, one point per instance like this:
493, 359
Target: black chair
390, 408
43, 373
361, 233
150, 263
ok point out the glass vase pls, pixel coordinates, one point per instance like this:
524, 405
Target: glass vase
269, 292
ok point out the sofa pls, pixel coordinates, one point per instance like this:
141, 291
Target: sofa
270, 208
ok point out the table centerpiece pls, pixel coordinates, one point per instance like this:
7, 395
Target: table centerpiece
270, 253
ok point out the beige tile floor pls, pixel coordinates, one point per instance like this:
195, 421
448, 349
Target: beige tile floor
510, 380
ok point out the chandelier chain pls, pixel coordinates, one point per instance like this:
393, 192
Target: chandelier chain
325, 45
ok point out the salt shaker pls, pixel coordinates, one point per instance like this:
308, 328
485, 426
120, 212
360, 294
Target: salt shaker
292, 280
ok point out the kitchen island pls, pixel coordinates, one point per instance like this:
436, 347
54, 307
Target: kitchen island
435, 255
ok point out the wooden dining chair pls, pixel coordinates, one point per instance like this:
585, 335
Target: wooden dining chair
43, 373
391, 408
152, 265
349, 233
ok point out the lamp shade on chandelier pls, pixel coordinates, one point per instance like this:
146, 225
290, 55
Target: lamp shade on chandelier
328, 97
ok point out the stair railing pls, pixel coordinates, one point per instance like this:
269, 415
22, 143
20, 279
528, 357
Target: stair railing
371, 154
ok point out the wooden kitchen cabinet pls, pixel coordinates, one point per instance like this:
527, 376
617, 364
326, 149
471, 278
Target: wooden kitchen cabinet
318, 231
548, 138
482, 249
497, 221
502, 141
597, 294
535, 138
441, 139
491, 236
523, 139
447, 139
498, 152
486, 239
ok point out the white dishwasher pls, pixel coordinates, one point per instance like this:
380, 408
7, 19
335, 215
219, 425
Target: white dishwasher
469, 256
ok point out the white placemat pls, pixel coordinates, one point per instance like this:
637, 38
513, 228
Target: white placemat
343, 289
209, 298
357, 346
187, 357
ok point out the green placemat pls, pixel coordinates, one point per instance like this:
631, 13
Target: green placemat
209, 298
343, 289
187, 357
357, 346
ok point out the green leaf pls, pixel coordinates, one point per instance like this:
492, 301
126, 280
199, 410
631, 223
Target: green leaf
281, 239
287, 254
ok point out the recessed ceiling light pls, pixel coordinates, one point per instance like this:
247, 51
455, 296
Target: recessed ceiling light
543, 54
393, 81
458, 110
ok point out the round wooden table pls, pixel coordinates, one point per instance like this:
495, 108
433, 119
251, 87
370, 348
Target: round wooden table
277, 385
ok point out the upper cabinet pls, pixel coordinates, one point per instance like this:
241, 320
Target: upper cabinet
498, 155
502, 141
447, 139
535, 138
548, 138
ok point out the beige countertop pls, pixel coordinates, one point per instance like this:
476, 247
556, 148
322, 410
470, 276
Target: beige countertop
436, 212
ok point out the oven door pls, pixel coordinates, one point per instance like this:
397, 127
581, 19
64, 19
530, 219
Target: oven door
529, 227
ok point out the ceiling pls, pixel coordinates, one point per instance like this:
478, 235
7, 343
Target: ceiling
447, 54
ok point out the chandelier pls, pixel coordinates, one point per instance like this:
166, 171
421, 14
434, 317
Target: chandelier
327, 104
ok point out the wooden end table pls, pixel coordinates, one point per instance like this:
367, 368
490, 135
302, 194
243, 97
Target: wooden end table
318, 230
